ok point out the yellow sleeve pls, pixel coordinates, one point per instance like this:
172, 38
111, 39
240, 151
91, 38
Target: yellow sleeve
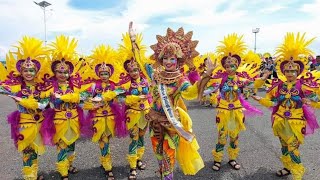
46, 94
258, 83
190, 92
109, 95
71, 98
315, 104
267, 101
88, 105
132, 99
29, 103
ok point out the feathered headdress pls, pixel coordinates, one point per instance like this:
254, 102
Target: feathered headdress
175, 44
293, 54
232, 49
30, 53
63, 55
102, 59
132, 57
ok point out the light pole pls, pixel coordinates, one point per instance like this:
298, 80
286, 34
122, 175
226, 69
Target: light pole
43, 5
255, 31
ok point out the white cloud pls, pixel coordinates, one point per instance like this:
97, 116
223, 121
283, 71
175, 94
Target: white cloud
210, 21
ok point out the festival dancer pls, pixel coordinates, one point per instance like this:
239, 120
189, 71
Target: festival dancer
64, 89
230, 116
21, 84
101, 101
291, 117
137, 98
170, 125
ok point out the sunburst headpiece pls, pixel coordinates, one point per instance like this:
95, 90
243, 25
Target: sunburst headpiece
232, 49
293, 52
175, 44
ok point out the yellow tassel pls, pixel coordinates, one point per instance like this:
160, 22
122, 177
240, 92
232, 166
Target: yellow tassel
132, 159
233, 153
63, 167
28, 173
106, 162
140, 152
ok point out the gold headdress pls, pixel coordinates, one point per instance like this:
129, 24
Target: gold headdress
175, 44
30, 53
232, 49
292, 54
63, 55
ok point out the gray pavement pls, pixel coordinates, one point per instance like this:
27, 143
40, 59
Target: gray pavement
259, 154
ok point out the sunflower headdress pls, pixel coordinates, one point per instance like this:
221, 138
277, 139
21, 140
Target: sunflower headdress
63, 55
175, 44
102, 59
292, 54
29, 54
232, 48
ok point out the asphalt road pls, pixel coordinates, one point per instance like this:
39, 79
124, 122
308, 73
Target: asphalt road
259, 154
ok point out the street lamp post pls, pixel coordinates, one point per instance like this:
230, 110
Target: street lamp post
43, 5
255, 31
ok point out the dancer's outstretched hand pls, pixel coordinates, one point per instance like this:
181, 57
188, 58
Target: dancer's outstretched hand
306, 101
257, 98
211, 67
16, 98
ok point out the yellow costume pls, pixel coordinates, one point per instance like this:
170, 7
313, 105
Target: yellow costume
27, 121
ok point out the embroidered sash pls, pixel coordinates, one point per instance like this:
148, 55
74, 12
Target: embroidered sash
167, 107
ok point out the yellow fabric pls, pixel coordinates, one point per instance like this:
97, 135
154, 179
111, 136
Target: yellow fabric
217, 156
132, 99
71, 98
267, 100
66, 129
29, 103
71, 158
258, 83
297, 171
191, 92
106, 162
188, 157
109, 95
28, 173
230, 120
132, 159
103, 125
134, 113
315, 104
88, 105
140, 152
63, 167
29, 129
285, 129
233, 153
46, 94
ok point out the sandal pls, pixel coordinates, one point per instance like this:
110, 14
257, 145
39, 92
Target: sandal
141, 165
283, 172
109, 175
73, 170
40, 177
234, 164
216, 166
64, 177
133, 174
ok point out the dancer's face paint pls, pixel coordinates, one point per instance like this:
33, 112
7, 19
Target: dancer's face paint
170, 64
134, 73
28, 74
231, 69
104, 76
62, 76
291, 75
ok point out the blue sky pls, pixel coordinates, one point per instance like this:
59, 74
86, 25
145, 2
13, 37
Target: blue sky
103, 21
